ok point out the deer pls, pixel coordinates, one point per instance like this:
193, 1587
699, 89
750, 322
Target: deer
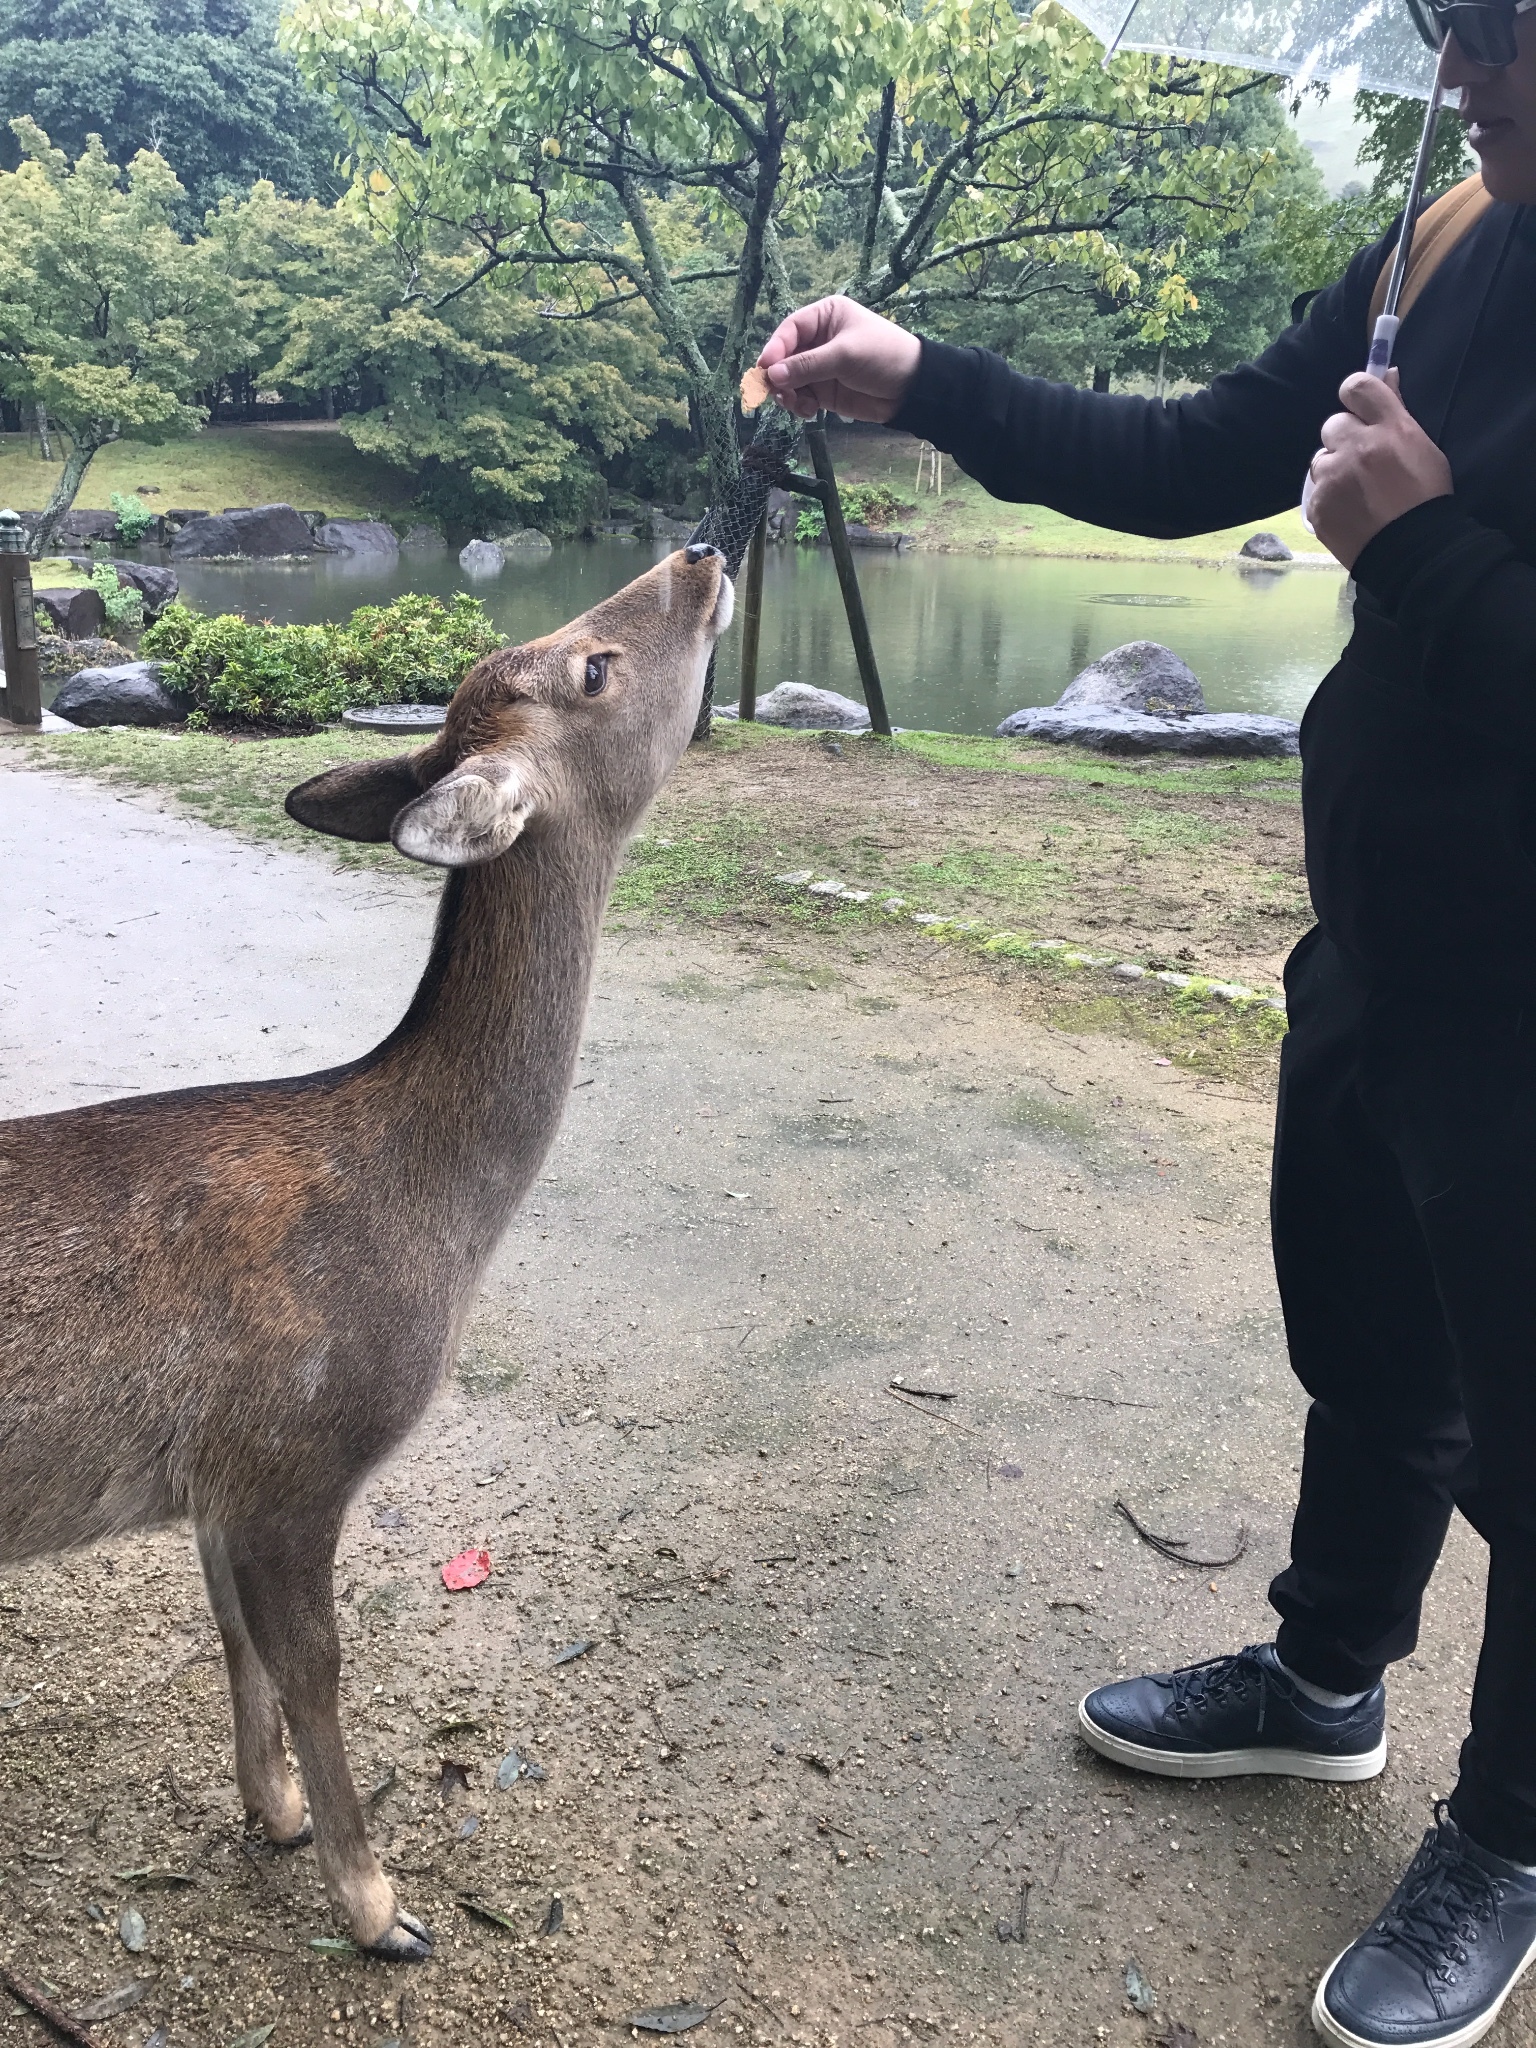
226, 1305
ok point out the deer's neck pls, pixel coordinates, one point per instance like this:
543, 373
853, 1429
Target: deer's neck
472, 1083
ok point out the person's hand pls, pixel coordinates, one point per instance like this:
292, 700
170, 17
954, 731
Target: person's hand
1375, 464
837, 356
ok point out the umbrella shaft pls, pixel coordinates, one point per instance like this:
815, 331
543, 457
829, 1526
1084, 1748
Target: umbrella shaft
1415, 199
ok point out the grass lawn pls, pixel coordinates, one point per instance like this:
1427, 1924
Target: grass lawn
312, 467
1192, 867
966, 520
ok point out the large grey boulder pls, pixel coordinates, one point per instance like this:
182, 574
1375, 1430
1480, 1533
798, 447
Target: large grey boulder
1140, 676
1265, 547
132, 694
525, 540
1231, 733
77, 613
663, 525
861, 536
1141, 699
424, 537
481, 558
357, 537
78, 525
262, 530
158, 587
806, 709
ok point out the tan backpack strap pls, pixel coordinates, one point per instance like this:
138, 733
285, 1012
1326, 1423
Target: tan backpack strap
1440, 228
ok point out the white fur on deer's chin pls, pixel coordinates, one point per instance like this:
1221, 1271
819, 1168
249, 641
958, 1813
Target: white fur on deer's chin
725, 608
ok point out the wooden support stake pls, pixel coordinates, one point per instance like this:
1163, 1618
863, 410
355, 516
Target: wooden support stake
847, 576
752, 619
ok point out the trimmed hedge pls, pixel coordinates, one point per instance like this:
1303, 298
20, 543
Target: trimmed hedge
295, 678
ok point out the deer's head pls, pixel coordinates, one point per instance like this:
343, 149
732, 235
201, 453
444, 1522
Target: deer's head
584, 725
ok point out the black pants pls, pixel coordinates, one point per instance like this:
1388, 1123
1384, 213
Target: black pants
1404, 1215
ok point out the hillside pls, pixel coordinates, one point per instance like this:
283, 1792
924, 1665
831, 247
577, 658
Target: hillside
311, 466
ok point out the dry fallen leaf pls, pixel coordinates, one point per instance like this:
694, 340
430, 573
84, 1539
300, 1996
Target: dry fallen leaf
754, 389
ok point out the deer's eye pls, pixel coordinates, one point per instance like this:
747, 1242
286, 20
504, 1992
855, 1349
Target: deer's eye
595, 681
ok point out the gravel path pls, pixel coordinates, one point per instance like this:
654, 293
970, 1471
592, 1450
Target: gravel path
818, 1759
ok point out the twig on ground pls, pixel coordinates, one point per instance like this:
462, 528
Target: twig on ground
1007, 1824
44, 2007
1104, 1400
1176, 1547
923, 1393
933, 1414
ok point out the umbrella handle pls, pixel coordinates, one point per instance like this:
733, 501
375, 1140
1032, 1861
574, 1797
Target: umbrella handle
1377, 364
1384, 338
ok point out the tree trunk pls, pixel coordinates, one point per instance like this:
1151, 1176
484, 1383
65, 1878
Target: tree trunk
71, 476
44, 445
1100, 379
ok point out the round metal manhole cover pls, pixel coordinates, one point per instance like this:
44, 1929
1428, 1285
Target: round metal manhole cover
1154, 600
398, 717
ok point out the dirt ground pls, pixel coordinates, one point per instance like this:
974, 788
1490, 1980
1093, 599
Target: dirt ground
1194, 864
818, 1761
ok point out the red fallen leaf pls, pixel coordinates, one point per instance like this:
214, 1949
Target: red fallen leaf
469, 1568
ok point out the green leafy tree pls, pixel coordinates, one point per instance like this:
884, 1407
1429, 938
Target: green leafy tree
662, 154
107, 317
1315, 239
502, 412
201, 82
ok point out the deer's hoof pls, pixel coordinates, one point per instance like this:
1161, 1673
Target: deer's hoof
408, 1941
301, 1840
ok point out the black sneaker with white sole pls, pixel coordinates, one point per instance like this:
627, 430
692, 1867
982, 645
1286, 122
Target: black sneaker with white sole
1234, 1717
1434, 1969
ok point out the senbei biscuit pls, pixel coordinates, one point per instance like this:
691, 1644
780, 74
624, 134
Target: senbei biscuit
754, 389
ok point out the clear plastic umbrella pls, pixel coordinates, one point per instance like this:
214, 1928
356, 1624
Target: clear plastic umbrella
1347, 43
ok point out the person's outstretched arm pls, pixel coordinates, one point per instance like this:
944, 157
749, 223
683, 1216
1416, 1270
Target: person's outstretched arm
1235, 452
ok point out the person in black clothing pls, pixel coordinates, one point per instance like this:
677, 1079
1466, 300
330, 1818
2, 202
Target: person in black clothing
1404, 1183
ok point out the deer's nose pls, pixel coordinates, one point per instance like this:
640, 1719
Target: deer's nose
700, 551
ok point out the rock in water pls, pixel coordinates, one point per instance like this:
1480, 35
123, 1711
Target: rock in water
158, 587
1231, 733
266, 530
357, 537
1140, 676
481, 558
132, 694
807, 709
1266, 547
78, 614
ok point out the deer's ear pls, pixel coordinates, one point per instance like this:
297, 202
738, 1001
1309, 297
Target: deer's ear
358, 801
472, 815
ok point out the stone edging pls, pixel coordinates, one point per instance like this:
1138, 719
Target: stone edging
1013, 945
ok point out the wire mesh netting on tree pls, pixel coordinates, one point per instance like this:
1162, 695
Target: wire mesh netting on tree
731, 523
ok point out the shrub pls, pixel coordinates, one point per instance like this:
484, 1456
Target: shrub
414, 651
134, 518
123, 605
873, 505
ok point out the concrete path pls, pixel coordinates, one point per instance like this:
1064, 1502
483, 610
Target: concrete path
818, 1769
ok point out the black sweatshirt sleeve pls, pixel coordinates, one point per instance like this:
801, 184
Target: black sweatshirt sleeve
1459, 589
1235, 452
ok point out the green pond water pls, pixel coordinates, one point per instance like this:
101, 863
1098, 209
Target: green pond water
962, 640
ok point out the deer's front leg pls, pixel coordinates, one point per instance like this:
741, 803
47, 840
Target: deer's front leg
283, 1577
261, 1765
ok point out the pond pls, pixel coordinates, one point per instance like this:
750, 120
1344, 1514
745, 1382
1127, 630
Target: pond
962, 640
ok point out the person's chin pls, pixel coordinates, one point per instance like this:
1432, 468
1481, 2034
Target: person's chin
1507, 160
